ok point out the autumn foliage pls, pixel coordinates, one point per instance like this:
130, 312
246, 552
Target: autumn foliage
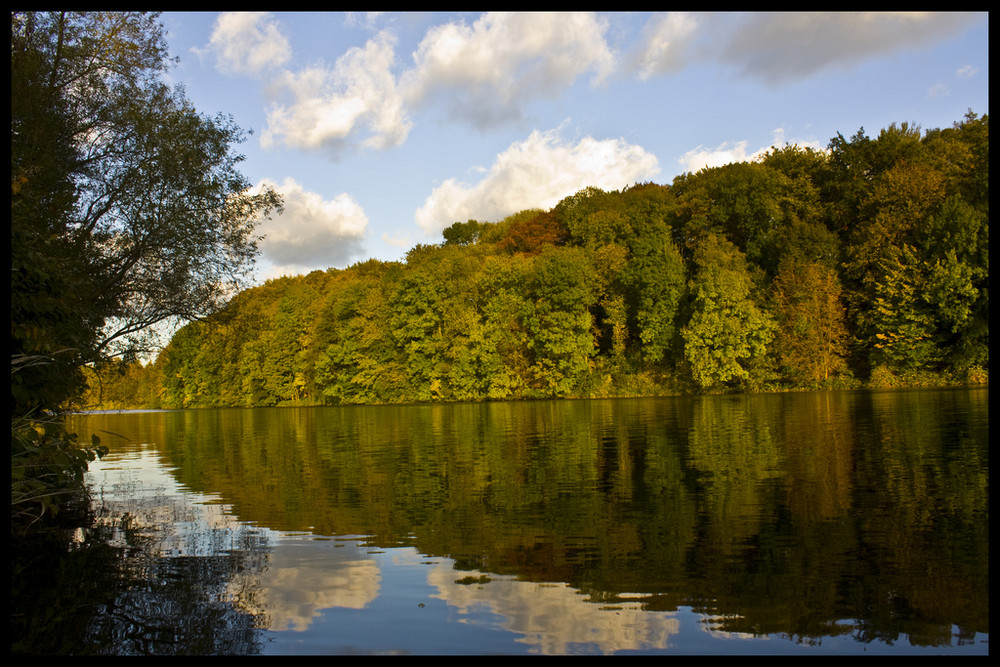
863, 264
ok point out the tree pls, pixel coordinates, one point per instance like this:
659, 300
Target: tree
463, 233
531, 234
747, 203
357, 361
915, 222
127, 207
727, 333
955, 242
562, 289
811, 340
654, 275
494, 362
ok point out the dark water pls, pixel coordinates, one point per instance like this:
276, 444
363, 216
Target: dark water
854, 522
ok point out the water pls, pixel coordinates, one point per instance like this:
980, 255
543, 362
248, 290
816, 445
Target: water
849, 522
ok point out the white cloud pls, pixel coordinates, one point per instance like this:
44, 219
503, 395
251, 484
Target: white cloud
488, 71
725, 153
788, 46
248, 43
664, 44
780, 47
312, 232
491, 70
537, 173
966, 72
397, 240
331, 107
365, 20
938, 90
484, 74
700, 158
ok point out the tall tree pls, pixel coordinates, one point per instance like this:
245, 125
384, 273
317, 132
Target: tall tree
915, 224
654, 274
728, 333
811, 339
463, 233
127, 205
358, 360
494, 363
562, 290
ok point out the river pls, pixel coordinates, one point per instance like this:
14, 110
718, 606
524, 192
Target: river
802, 523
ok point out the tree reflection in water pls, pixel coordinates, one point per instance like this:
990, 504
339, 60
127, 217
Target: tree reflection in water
825, 518
181, 573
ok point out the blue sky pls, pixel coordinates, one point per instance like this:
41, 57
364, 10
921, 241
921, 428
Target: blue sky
382, 129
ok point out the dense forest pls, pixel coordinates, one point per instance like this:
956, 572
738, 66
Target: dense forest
863, 265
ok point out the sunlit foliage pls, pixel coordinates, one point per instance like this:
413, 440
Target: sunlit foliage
865, 263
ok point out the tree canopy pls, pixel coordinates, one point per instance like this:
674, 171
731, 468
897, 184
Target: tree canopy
127, 209
127, 206
866, 263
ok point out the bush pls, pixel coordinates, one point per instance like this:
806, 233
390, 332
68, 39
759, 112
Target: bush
46, 471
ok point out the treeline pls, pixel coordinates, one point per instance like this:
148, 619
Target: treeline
867, 264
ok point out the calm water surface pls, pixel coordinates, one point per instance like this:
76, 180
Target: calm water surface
849, 522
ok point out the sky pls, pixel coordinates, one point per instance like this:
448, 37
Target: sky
382, 129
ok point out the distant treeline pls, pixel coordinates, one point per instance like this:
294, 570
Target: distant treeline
867, 264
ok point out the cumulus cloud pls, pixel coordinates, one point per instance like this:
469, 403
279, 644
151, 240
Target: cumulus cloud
331, 107
537, 173
248, 43
486, 72
725, 153
664, 44
789, 46
784, 47
701, 157
312, 232
489, 71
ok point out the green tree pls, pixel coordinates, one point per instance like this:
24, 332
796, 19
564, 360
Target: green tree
811, 338
127, 210
641, 272
431, 300
463, 233
747, 203
562, 289
494, 362
899, 326
653, 278
127, 205
358, 361
954, 239
180, 385
803, 233
916, 240
727, 335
